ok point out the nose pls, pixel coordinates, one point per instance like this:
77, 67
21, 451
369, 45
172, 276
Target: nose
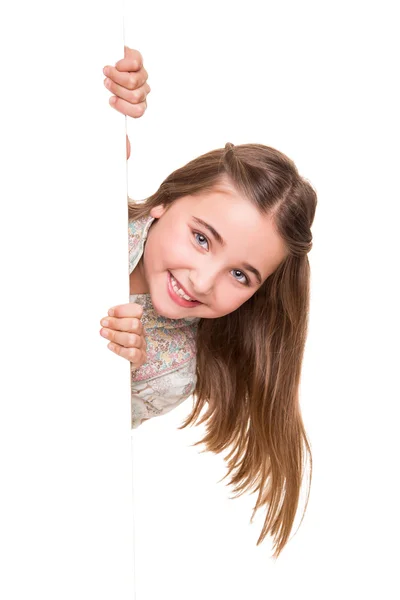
202, 283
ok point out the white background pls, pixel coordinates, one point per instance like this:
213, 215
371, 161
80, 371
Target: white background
316, 80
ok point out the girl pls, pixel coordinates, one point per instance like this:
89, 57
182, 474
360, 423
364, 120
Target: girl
219, 307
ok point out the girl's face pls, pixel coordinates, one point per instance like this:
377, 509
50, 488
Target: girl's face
215, 272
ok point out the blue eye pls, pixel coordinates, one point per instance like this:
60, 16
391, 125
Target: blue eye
246, 282
201, 235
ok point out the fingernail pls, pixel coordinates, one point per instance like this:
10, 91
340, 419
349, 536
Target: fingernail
111, 312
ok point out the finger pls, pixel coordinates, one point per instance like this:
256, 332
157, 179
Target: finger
132, 57
127, 340
131, 325
135, 355
126, 108
131, 309
134, 96
127, 79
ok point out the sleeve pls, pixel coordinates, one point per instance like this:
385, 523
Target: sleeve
161, 394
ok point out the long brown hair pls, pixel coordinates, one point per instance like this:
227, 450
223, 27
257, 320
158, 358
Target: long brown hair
249, 361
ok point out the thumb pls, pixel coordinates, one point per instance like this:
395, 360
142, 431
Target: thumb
134, 57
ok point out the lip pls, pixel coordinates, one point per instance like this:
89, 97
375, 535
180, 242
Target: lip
178, 299
184, 289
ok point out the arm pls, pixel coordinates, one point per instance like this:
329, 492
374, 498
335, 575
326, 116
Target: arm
159, 395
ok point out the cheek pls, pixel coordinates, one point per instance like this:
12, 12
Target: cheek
229, 299
175, 250
163, 252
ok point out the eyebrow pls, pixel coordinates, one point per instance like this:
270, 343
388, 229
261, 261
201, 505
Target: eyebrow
222, 242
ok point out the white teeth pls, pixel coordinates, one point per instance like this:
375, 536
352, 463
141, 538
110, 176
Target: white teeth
178, 290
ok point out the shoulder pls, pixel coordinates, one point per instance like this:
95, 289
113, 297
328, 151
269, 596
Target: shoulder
137, 234
137, 228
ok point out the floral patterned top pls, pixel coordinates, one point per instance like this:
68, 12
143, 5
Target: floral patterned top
169, 375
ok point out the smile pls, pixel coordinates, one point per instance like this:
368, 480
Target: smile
173, 287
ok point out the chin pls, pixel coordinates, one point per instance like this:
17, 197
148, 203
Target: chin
168, 314
165, 314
